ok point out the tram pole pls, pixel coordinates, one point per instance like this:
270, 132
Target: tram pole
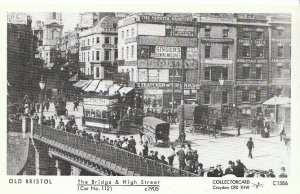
181, 123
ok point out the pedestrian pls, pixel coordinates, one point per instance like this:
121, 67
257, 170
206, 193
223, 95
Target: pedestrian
210, 172
283, 174
271, 174
218, 126
75, 105
238, 126
218, 171
171, 154
145, 149
52, 122
250, 146
230, 168
37, 107
240, 169
162, 160
47, 104
282, 133
181, 157
155, 156
195, 159
188, 167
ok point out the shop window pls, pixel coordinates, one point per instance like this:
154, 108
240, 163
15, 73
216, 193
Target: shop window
153, 75
207, 52
258, 72
97, 72
246, 35
225, 51
207, 32
98, 40
224, 97
245, 96
176, 74
280, 33
258, 95
207, 73
225, 33
106, 55
97, 55
106, 40
246, 51
280, 51
259, 51
93, 113
259, 35
206, 97
87, 113
246, 72
104, 114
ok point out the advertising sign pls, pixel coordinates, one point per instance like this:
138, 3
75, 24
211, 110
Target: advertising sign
17, 18
167, 52
167, 63
166, 19
184, 31
99, 101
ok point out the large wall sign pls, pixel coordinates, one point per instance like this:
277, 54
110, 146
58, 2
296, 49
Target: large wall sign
167, 64
17, 18
166, 19
167, 52
184, 31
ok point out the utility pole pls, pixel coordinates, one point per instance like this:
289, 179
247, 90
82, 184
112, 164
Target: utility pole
181, 123
173, 87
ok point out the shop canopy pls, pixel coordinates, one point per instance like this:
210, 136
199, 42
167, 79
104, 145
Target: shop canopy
104, 85
278, 100
80, 83
74, 78
125, 90
92, 87
87, 84
113, 89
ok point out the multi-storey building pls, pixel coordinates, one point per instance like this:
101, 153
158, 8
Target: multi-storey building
217, 52
98, 51
280, 64
152, 49
252, 63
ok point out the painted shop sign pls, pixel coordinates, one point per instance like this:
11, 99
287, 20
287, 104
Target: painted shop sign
217, 40
99, 101
17, 18
281, 60
281, 40
166, 85
252, 60
165, 19
261, 42
184, 31
84, 48
167, 52
251, 82
166, 64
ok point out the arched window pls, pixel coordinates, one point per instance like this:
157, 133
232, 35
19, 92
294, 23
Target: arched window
104, 114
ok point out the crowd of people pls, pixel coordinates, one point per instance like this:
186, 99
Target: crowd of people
165, 115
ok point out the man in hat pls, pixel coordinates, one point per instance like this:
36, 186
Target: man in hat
181, 157
230, 168
188, 167
239, 169
283, 174
218, 171
145, 149
162, 160
250, 146
211, 173
238, 126
271, 174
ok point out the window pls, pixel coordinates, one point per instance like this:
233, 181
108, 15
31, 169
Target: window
132, 32
54, 15
258, 72
88, 42
207, 32
98, 40
245, 96
104, 114
279, 72
206, 97
207, 52
132, 51
168, 31
106, 40
225, 33
259, 51
258, 95
83, 44
127, 33
246, 72
246, 51
88, 56
259, 35
116, 40
225, 50
93, 42
153, 75
280, 51
116, 54
280, 33
207, 73
225, 73
224, 97
127, 51
246, 35
97, 55
106, 55
122, 34
122, 52
93, 55
97, 72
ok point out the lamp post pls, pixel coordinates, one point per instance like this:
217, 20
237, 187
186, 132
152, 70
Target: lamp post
42, 86
221, 81
181, 123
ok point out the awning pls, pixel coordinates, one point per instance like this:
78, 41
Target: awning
125, 90
113, 89
80, 83
87, 84
74, 78
104, 85
278, 100
92, 87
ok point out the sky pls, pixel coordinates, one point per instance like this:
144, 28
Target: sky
69, 19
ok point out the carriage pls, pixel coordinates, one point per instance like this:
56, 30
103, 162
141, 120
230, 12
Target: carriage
156, 131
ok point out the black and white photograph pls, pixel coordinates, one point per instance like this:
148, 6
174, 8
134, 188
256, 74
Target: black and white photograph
149, 94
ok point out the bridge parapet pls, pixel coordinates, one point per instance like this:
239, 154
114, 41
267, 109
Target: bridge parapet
102, 154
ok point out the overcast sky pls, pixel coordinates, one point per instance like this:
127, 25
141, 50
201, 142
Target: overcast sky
70, 20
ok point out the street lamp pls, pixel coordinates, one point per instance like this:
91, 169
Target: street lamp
42, 86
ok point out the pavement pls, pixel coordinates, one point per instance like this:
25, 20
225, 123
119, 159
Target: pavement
268, 153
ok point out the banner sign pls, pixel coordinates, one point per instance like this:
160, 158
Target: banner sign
252, 60
166, 85
166, 19
167, 52
166, 64
17, 18
99, 101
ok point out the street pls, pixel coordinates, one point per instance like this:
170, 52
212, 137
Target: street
268, 153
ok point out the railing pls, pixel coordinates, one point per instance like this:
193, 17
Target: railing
123, 158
